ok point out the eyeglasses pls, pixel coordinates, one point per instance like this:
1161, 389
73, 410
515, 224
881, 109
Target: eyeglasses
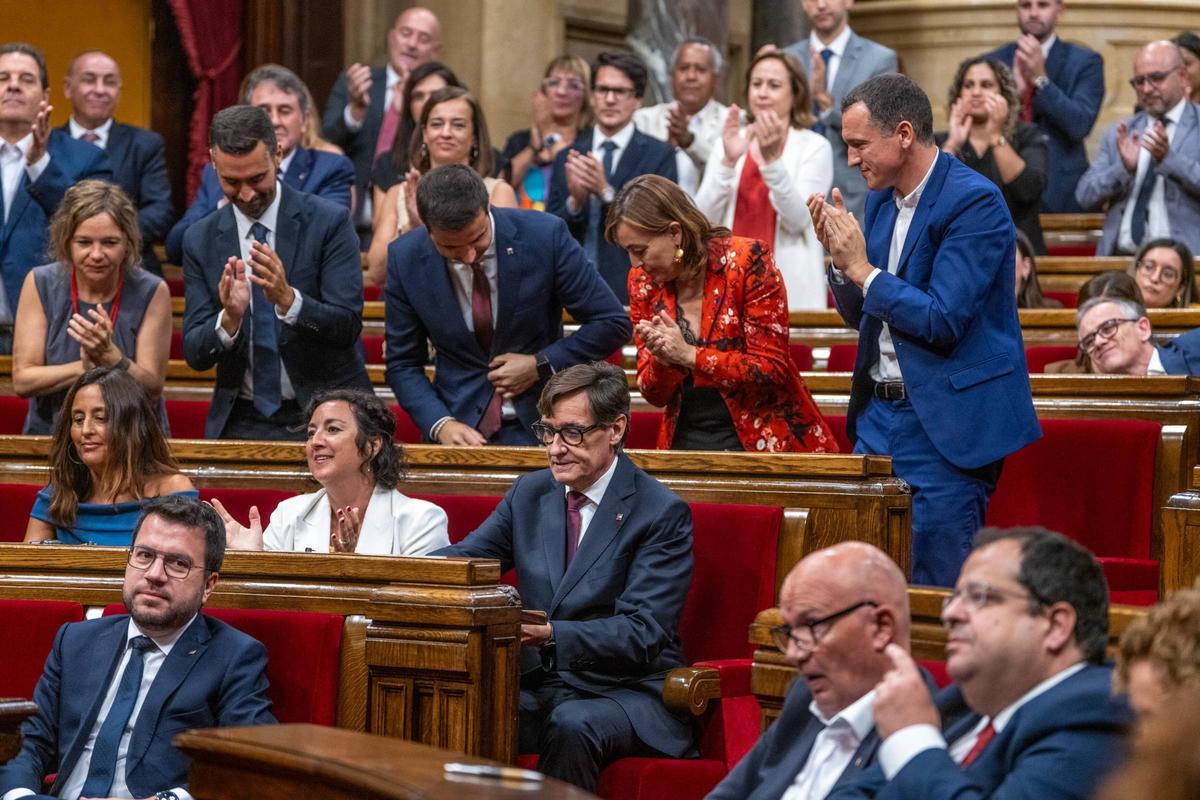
1165, 271
978, 595
176, 566
1106, 331
571, 434
619, 92
572, 85
1154, 78
805, 635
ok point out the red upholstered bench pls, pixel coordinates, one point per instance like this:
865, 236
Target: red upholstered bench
406, 429
238, 501
28, 628
17, 501
13, 411
304, 651
841, 358
187, 418
373, 347
1068, 299
1039, 356
372, 293
802, 354
176, 352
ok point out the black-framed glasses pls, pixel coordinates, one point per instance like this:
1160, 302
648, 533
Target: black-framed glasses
1153, 78
175, 565
571, 434
978, 594
619, 92
805, 635
1106, 331
1165, 271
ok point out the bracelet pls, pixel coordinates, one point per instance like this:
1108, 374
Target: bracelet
123, 364
1001, 142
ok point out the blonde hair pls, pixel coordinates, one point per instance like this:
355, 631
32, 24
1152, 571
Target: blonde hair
1168, 636
88, 199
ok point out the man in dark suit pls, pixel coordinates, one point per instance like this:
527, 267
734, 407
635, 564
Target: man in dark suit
37, 166
279, 92
488, 287
1116, 333
137, 155
588, 174
1031, 712
940, 383
841, 606
363, 112
160, 670
606, 551
273, 283
1061, 87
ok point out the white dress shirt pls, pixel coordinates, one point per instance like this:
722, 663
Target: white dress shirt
594, 494
838, 46
12, 164
1158, 222
102, 132
833, 748
1155, 367
286, 162
621, 140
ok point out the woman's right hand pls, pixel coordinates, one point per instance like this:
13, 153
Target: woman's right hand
960, 127
238, 536
734, 140
410, 197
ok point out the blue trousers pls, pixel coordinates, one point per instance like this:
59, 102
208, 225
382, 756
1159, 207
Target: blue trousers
948, 503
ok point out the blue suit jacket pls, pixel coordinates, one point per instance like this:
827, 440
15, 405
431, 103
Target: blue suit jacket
214, 677
23, 236
644, 155
952, 314
1181, 355
541, 269
1056, 747
1066, 109
319, 249
358, 145
326, 175
615, 609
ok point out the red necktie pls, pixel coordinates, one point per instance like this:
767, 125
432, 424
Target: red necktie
575, 501
1027, 103
985, 736
387, 131
481, 319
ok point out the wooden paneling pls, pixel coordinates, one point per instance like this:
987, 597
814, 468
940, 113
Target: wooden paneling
13, 711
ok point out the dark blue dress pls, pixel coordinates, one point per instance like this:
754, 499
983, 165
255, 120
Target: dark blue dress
109, 524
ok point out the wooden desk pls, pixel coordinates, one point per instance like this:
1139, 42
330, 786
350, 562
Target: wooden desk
1181, 537
13, 711
316, 763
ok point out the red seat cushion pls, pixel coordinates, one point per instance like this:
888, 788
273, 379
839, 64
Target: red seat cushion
17, 501
176, 351
373, 346
837, 426
372, 293
1068, 299
1038, 357
937, 669
13, 411
802, 354
187, 418
643, 430
175, 287
238, 501
28, 628
841, 357
406, 430
464, 512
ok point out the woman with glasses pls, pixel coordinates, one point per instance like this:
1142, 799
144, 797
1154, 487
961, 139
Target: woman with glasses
351, 453
711, 329
758, 178
560, 110
452, 131
108, 458
1165, 273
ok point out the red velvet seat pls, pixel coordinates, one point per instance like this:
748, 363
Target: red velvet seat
13, 411
304, 652
238, 501
176, 351
1039, 356
837, 426
28, 628
1068, 299
373, 347
187, 418
372, 293
841, 357
464, 512
406, 429
17, 501
802, 354
643, 430
175, 287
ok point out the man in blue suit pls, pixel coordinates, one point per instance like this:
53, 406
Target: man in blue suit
159, 670
1031, 712
137, 155
606, 552
1061, 86
588, 174
37, 166
273, 287
488, 287
842, 606
940, 383
1116, 333
279, 92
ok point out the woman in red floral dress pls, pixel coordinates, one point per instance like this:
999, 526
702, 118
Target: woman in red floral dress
710, 322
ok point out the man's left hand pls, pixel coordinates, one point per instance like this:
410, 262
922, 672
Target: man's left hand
1155, 140
901, 698
839, 234
513, 373
1029, 58
535, 635
41, 134
268, 273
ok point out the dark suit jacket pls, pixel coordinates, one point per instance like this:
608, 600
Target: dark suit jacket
1066, 109
644, 155
326, 175
616, 608
214, 677
1056, 747
23, 237
953, 316
1181, 355
138, 158
359, 145
541, 271
319, 249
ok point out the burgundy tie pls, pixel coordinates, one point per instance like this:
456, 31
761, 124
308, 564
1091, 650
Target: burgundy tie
481, 319
387, 131
1027, 103
575, 501
985, 736
89, 137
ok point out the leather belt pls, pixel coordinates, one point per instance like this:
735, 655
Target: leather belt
890, 390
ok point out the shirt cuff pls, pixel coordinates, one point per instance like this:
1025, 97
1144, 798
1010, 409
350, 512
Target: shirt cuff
906, 744
224, 338
13, 794
870, 279
352, 124
571, 207
35, 170
182, 793
293, 312
437, 427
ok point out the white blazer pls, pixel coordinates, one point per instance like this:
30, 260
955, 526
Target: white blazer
393, 525
804, 168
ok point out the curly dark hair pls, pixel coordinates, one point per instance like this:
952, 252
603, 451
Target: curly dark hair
1005, 82
376, 423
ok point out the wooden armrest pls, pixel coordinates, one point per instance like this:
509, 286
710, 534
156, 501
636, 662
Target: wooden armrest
687, 690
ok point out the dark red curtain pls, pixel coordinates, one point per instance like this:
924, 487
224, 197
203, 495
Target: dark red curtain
211, 32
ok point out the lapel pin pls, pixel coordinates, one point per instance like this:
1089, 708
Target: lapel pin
191, 652
620, 517
508, 250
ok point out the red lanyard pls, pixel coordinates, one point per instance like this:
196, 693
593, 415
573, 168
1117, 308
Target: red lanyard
116, 304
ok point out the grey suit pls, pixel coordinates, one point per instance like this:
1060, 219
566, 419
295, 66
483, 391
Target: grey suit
862, 59
1107, 182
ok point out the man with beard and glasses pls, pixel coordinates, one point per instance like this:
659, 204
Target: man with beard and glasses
273, 287
117, 689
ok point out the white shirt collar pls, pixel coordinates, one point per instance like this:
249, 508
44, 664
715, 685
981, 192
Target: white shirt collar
1046, 45
22, 145
102, 131
165, 643
620, 138
1176, 113
268, 217
1004, 716
859, 715
286, 161
1155, 367
838, 45
912, 198
595, 492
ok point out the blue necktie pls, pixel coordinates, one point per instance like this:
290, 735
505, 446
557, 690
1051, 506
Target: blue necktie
265, 333
819, 127
1141, 205
591, 242
103, 766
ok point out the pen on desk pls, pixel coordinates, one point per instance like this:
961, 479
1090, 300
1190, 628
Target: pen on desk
487, 771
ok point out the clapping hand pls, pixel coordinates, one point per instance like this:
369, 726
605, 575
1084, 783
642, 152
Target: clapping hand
817, 80
234, 292
663, 339
838, 232
770, 134
997, 114
358, 86
41, 134
238, 536
344, 536
677, 127
1154, 139
94, 334
1129, 145
960, 127
268, 273
734, 140
410, 199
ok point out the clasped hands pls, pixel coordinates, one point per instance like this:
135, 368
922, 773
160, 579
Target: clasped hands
663, 339
266, 271
585, 175
838, 232
764, 137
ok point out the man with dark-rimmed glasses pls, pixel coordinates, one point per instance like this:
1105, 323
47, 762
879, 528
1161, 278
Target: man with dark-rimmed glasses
1116, 334
842, 606
117, 689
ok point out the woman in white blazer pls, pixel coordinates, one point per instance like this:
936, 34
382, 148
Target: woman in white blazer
351, 453
758, 179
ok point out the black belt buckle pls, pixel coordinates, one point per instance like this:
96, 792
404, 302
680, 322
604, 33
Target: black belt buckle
890, 390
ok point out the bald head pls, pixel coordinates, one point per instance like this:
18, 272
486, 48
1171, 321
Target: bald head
415, 38
1159, 76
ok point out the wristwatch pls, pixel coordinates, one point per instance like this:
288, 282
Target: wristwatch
166, 795
1040, 82
545, 370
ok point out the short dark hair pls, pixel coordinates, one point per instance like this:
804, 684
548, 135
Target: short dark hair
29, 50
191, 513
450, 197
283, 78
375, 421
1187, 279
237, 130
606, 387
1188, 41
892, 98
625, 61
1055, 569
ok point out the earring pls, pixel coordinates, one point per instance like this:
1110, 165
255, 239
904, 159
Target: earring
71, 455
678, 254
474, 152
